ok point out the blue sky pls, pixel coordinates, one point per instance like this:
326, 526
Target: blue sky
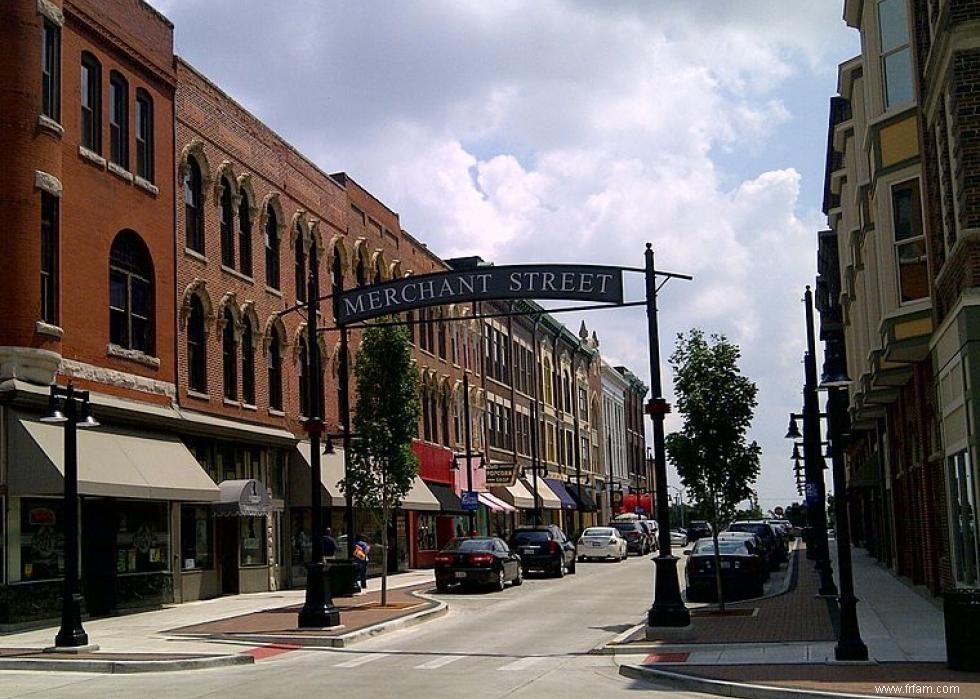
573, 130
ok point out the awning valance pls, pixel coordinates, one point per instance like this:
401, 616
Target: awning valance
331, 473
517, 495
112, 462
558, 487
245, 497
549, 500
495, 504
448, 500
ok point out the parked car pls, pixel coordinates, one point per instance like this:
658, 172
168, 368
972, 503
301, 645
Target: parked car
698, 529
601, 542
544, 548
477, 561
740, 571
678, 537
768, 537
755, 546
635, 535
786, 526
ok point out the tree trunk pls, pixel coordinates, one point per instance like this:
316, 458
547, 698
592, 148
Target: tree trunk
384, 561
717, 555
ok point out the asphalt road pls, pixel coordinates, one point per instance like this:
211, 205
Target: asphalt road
532, 641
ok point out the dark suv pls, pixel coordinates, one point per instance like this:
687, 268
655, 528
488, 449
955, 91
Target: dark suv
637, 539
698, 530
768, 538
544, 548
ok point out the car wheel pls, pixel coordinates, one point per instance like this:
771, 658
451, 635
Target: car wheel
571, 571
519, 580
581, 558
501, 583
560, 571
758, 590
442, 586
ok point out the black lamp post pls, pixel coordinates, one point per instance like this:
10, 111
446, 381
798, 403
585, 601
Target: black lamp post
471, 514
668, 607
77, 413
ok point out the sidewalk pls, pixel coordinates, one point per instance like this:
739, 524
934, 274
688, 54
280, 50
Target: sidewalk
785, 645
198, 634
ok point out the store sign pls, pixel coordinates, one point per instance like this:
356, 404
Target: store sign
469, 500
501, 474
567, 282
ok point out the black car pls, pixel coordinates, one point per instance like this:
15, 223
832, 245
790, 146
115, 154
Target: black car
477, 561
740, 571
544, 548
636, 536
768, 538
697, 529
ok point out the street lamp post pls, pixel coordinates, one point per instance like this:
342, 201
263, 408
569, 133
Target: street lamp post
648, 474
77, 413
469, 449
668, 607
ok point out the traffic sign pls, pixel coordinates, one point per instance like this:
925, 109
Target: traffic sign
470, 500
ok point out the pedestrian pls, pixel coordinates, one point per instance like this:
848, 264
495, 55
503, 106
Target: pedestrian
361, 559
329, 544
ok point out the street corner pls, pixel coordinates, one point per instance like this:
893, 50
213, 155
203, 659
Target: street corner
70, 660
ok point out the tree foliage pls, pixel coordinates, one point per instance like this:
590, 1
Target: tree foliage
381, 463
710, 452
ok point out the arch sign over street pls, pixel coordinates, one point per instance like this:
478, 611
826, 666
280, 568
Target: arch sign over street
550, 281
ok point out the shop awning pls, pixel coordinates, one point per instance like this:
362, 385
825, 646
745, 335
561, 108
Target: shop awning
517, 495
585, 498
420, 498
112, 462
448, 499
549, 501
495, 504
242, 498
331, 473
558, 487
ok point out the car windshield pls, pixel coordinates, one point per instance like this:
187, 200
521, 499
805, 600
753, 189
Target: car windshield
723, 547
534, 536
598, 531
469, 545
755, 528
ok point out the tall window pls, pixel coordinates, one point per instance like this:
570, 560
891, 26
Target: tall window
194, 206
118, 120
274, 364
359, 274
300, 267
144, 135
51, 71
248, 362
896, 54
910, 244
131, 293
271, 248
49, 258
442, 340
196, 349
227, 225
302, 375
445, 424
91, 94
245, 236
229, 356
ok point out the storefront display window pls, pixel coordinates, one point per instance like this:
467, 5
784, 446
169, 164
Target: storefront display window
142, 540
42, 539
427, 533
196, 537
253, 538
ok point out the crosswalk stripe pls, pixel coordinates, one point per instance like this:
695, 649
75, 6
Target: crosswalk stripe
438, 662
521, 664
362, 659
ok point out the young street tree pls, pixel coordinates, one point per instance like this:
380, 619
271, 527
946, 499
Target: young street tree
382, 465
710, 452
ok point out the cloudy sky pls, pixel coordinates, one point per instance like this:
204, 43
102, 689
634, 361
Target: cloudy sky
573, 130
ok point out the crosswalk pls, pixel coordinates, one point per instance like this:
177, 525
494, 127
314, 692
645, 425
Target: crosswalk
459, 662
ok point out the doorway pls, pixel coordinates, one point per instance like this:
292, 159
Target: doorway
227, 536
100, 524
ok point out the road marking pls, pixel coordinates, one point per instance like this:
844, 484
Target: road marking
269, 651
522, 664
362, 659
438, 662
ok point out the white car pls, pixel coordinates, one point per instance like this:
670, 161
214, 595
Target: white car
601, 542
678, 537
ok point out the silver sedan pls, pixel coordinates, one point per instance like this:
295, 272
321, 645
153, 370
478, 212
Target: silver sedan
601, 542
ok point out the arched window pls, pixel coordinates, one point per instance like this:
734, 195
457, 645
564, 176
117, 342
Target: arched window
446, 437
248, 362
274, 364
229, 356
302, 376
144, 135
441, 336
118, 120
378, 273
300, 267
271, 248
131, 293
360, 275
227, 225
197, 371
91, 94
245, 236
194, 206
426, 416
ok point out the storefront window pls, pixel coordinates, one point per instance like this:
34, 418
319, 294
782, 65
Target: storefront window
142, 541
195, 537
253, 541
427, 532
42, 539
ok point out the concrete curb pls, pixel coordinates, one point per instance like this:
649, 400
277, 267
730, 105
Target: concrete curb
725, 688
342, 640
124, 667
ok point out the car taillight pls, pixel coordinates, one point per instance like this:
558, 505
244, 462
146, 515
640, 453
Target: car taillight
480, 559
553, 546
443, 558
612, 541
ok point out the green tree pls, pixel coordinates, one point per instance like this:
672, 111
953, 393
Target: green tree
382, 465
710, 452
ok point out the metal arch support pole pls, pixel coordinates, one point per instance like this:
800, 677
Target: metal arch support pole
469, 449
668, 607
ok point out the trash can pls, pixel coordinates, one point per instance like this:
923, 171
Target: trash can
343, 578
961, 611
